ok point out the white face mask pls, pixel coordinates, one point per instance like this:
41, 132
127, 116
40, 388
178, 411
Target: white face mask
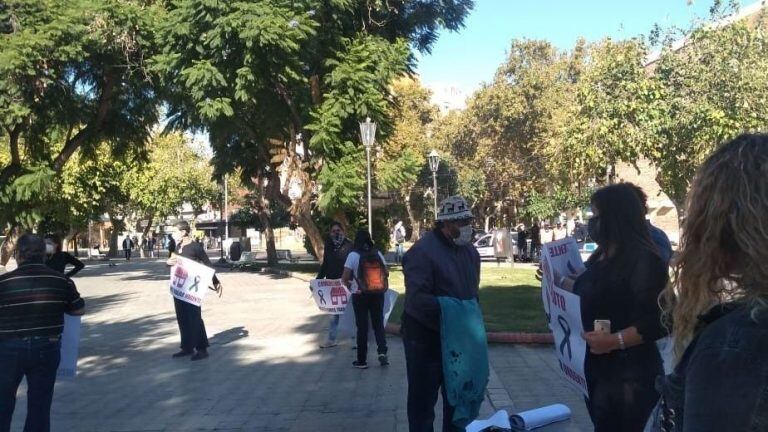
465, 236
49, 249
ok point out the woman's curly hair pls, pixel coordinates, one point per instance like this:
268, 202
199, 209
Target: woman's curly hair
724, 244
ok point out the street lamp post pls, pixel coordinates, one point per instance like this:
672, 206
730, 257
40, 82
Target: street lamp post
434, 163
368, 134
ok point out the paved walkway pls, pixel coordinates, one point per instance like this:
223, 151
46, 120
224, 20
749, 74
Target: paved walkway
265, 372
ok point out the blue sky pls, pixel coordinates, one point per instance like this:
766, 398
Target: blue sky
471, 56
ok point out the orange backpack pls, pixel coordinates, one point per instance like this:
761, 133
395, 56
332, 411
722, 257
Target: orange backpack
372, 273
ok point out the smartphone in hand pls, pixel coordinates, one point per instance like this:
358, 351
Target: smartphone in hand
602, 326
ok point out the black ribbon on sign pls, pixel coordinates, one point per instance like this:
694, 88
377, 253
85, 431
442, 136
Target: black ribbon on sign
566, 342
320, 294
196, 284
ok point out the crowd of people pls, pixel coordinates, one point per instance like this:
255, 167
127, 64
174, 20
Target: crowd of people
713, 304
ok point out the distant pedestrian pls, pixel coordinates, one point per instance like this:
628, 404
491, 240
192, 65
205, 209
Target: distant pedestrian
33, 301
57, 259
171, 245
337, 247
398, 236
535, 240
522, 242
658, 236
128, 247
367, 267
559, 232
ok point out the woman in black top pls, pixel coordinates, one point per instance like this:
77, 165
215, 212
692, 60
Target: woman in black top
58, 259
622, 283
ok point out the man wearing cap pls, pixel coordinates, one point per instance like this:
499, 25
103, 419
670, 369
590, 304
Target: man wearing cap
442, 263
33, 301
194, 339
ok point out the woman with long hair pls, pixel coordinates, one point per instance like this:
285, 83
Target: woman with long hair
718, 298
57, 259
367, 267
621, 285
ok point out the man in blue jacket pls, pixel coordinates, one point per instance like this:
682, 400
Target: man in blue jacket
442, 263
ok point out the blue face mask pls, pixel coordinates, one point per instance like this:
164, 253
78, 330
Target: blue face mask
593, 228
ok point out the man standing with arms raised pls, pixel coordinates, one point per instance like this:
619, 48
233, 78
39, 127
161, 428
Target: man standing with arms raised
33, 301
442, 265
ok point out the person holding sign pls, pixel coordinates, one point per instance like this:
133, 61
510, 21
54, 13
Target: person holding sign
33, 301
367, 266
718, 300
194, 339
619, 293
337, 248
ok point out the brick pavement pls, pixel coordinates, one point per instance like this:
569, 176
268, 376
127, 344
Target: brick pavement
265, 372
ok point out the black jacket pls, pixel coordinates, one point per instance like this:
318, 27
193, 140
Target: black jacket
721, 382
59, 261
333, 260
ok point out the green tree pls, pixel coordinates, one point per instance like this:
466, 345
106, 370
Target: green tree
281, 85
72, 75
712, 89
404, 153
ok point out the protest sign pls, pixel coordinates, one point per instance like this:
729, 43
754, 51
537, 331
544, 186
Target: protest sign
563, 309
70, 345
330, 295
190, 280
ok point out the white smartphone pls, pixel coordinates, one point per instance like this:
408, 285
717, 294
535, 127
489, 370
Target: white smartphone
603, 326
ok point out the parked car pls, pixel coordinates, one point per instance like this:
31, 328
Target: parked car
487, 244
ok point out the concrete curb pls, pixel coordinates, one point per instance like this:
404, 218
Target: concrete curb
493, 337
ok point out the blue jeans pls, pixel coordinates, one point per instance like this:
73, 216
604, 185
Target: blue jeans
399, 251
334, 328
37, 359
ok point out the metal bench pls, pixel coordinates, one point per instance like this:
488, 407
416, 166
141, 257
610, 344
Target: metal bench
94, 253
285, 254
247, 256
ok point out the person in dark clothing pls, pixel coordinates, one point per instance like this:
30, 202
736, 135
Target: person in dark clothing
188, 316
621, 283
171, 245
337, 247
718, 300
127, 247
535, 234
57, 259
33, 301
442, 263
522, 242
366, 304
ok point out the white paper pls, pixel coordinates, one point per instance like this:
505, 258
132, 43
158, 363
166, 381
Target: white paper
563, 310
539, 417
70, 345
331, 296
499, 420
190, 280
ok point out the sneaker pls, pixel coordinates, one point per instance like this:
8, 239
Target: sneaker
199, 355
182, 353
360, 365
328, 344
383, 360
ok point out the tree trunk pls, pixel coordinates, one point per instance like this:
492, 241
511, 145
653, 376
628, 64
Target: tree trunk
269, 236
304, 218
9, 244
415, 222
118, 225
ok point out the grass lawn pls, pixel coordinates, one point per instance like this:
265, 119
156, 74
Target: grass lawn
510, 298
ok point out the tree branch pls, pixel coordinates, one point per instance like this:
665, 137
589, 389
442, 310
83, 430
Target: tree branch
94, 126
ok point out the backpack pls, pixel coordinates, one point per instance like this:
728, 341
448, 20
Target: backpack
371, 273
399, 235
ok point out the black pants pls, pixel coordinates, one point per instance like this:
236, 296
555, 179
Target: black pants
621, 405
424, 364
369, 305
127, 254
191, 326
